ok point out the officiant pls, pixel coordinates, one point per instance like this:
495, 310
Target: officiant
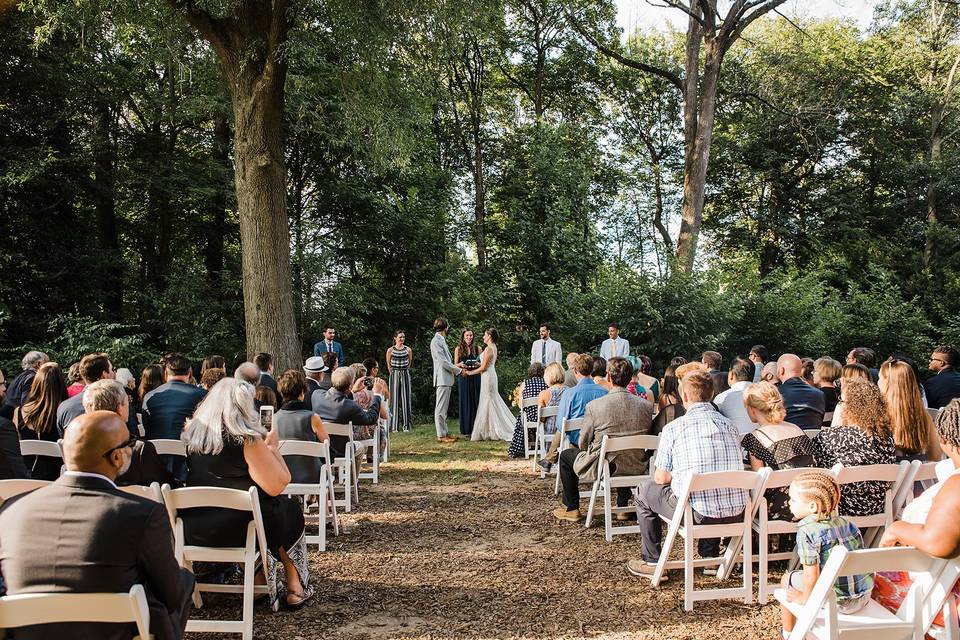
467, 354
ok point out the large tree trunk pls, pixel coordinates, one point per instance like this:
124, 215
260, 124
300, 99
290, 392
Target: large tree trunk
250, 45
479, 202
105, 204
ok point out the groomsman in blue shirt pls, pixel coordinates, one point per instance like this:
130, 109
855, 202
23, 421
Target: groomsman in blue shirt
328, 344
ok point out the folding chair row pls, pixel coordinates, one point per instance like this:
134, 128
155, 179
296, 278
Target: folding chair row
43, 608
527, 425
344, 469
566, 426
542, 442
606, 483
323, 490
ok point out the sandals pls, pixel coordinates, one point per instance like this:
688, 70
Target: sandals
303, 597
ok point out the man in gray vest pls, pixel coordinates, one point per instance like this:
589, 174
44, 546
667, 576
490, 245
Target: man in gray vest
444, 372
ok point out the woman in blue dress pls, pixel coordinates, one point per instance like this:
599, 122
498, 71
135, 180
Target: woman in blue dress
468, 354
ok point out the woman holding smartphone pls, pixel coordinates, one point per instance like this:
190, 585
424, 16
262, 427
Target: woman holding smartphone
399, 359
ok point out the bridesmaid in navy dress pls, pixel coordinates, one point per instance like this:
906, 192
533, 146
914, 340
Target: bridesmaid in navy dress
468, 354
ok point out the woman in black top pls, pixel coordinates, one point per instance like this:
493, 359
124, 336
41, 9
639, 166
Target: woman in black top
37, 418
295, 421
826, 370
227, 447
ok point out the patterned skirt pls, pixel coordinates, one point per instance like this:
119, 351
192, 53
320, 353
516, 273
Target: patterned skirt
401, 390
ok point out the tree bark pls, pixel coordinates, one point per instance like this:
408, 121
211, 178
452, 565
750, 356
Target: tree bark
250, 46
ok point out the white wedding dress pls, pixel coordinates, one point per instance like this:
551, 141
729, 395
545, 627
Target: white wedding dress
494, 419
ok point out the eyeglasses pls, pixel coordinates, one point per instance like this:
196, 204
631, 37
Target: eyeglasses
129, 443
938, 360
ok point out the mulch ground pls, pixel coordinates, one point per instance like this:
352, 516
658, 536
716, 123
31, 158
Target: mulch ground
457, 542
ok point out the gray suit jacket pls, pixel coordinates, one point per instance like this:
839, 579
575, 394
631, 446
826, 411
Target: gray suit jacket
444, 370
82, 535
619, 413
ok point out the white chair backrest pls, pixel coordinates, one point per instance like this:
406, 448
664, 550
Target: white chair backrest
626, 443
549, 412
41, 608
811, 433
10, 488
526, 403
190, 497
864, 473
571, 424
339, 429
168, 447
303, 448
41, 448
934, 413
926, 472
746, 480
151, 492
783, 477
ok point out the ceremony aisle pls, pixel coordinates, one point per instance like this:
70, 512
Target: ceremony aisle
457, 542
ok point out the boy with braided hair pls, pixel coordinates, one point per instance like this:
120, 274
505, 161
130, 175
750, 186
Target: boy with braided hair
814, 496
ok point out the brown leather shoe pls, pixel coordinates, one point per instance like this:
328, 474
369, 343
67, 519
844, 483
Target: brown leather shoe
569, 515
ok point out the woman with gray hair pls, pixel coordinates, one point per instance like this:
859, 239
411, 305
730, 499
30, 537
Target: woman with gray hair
227, 447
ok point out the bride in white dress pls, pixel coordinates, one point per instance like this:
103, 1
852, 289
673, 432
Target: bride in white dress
494, 419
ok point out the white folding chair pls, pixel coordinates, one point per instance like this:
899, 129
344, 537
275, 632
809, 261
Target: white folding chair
346, 466
940, 598
820, 618
682, 524
893, 475
566, 426
323, 489
44, 608
542, 442
11, 488
811, 433
827, 418
361, 446
152, 491
385, 453
41, 448
606, 484
934, 413
527, 425
255, 547
168, 447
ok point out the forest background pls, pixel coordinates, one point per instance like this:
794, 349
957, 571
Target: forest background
482, 160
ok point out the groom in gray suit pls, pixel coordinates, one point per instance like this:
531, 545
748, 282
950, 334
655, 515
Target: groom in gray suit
443, 373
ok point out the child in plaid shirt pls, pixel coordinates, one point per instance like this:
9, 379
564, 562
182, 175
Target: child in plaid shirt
814, 496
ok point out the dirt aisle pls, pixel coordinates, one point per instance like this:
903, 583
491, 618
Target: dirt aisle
457, 543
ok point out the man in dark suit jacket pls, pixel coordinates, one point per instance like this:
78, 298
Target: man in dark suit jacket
336, 405
804, 404
265, 362
19, 387
166, 408
83, 535
944, 385
328, 344
312, 368
93, 367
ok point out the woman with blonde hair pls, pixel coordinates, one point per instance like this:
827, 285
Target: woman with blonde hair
826, 372
227, 447
914, 433
864, 438
774, 443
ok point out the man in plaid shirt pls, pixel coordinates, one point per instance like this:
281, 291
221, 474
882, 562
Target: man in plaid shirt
701, 441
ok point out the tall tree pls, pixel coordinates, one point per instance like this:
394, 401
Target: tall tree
710, 34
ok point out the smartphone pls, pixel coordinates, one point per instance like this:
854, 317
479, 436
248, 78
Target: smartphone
266, 416
368, 383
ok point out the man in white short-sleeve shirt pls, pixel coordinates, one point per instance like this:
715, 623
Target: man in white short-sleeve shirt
614, 346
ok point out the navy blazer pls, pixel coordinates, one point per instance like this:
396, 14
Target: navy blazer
267, 380
804, 404
942, 388
321, 348
166, 409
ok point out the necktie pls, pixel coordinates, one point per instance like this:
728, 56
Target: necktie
330, 346
543, 352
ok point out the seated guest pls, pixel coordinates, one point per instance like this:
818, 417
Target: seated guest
248, 372
145, 465
37, 418
730, 402
295, 421
264, 362
338, 407
826, 371
759, 356
312, 369
364, 396
643, 379
805, 405
166, 408
211, 377
213, 362
599, 373
331, 362
573, 404
570, 378
74, 380
807, 375
769, 373
670, 406
227, 447
264, 396
944, 385
532, 387
774, 443
863, 439
712, 360
93, 367
125, 377
19, 387
684, 369
11, 461
83, 535
150, 378
701, 441
554, 377
847, 372
866, 358
618, 413
914, 433
929, 523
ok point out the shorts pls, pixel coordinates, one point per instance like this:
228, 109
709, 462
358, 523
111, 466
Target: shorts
844, 605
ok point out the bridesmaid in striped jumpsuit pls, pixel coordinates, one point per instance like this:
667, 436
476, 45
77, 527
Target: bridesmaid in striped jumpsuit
399, 358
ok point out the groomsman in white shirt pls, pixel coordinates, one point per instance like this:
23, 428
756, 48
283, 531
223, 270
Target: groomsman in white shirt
614, 346
546, 350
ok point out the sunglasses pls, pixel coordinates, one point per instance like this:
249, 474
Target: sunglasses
129, 443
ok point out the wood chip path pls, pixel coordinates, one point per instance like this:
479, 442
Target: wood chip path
457, 543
